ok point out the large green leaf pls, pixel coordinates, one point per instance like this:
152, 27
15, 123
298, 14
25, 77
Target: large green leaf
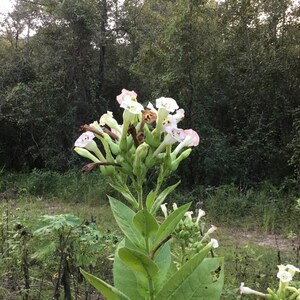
124, 217
108, 291
138, 261
161, 197
198, 279
131, 283
145, 223
170, 223
164, 262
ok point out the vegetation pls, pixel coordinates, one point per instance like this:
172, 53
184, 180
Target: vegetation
243, 240
233, 66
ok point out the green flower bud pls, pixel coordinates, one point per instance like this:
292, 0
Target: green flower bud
183, 155
85, 153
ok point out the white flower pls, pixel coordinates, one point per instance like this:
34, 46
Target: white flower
292, 269
188, 214
215, 243
281, 268
84, 139
175, 206
164, 209
151, 107
108, 119
166, 103
173, 120
212, 229
247, 291
132, 106
201, 213
174, 135
284, 276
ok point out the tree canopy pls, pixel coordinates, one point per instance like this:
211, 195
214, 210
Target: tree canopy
233, 65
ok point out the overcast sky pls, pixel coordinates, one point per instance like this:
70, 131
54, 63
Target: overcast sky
6, 5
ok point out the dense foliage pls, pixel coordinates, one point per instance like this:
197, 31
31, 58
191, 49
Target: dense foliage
233, 66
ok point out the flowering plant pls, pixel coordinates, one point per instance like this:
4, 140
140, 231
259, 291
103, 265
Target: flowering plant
148, 138
284, 291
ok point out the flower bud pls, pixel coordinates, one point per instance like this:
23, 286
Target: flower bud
182, 156
85, 153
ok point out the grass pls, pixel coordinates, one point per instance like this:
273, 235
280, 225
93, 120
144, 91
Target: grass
245, 221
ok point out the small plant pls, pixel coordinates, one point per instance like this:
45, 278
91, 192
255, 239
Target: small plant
72, 243
285, 291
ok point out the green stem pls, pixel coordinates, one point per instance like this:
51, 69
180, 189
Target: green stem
150, 281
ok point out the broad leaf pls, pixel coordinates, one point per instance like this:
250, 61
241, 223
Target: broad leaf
108, 291
145, 223
131, 283
161, 197
170, 223
124, 217
138, 261
197, 279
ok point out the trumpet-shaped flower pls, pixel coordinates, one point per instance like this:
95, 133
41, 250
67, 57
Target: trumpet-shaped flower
108, 119
85, 139
189, 214
168, 104
172, 120
132, 106
284, 276
215, 243
174, 135
126, 96
201, 213
212, 229
292, 269
248, 291
164, 209
191, 139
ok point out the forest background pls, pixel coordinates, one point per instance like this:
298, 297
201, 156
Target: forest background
234, 66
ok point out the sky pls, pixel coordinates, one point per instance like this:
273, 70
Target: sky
6, 6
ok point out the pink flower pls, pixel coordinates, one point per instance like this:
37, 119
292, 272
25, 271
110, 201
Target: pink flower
194, 137
126, 95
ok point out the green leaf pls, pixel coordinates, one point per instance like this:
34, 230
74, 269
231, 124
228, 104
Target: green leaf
161, 197
124, 217
145, 223
108, 291
164, 262
170, 223
126, 194
131, 283
198, 279
150, 199
138, 261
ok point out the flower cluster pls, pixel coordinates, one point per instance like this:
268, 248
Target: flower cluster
190, 234
137, 145
284, 291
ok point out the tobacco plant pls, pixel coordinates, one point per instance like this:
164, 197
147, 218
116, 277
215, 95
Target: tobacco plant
148, 139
